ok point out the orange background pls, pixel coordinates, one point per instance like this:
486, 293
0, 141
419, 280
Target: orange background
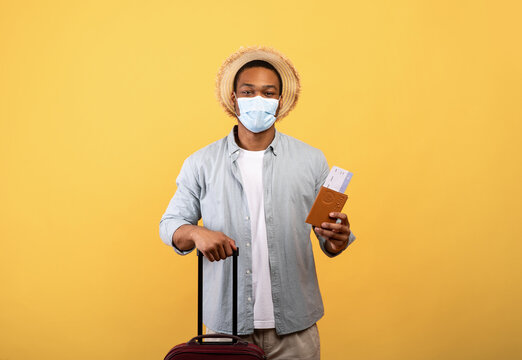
101, 101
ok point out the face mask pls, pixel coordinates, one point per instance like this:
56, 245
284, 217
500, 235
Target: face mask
257, 113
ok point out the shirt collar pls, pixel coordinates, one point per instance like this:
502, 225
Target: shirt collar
233, 148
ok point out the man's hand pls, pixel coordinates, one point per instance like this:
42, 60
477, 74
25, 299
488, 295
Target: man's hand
336, 235
213, 244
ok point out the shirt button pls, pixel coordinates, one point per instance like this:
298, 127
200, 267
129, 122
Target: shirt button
246, 218
249, 298
248, 271
247, 244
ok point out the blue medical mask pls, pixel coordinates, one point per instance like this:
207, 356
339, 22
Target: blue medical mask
257, 113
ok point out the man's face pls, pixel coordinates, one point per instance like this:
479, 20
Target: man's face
257, 81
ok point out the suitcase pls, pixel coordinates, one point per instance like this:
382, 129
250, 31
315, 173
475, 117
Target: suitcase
198, 349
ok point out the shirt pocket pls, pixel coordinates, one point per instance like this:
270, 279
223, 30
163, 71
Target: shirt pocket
301, 189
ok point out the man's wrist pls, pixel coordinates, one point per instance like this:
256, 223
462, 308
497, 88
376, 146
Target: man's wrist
191, 232
182, 238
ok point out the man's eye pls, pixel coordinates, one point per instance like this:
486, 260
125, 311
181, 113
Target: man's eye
269, 93
245, 92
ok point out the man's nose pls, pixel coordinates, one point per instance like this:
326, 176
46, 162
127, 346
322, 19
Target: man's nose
259, 93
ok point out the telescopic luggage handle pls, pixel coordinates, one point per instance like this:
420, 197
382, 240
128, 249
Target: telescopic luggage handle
234, 293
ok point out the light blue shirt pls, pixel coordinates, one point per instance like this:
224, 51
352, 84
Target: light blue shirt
209, 187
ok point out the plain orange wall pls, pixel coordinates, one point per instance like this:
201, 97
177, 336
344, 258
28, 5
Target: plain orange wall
101, 101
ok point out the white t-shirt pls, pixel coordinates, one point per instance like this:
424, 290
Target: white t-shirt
251, 168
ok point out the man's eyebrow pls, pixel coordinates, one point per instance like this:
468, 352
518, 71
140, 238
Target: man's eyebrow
264, 86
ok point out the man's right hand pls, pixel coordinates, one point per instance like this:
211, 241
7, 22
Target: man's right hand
214, 245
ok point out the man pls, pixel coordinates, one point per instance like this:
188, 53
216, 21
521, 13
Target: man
253, 189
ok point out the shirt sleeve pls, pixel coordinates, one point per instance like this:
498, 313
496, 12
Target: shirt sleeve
325, 170
184, 207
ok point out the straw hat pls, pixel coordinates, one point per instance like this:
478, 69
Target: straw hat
227, 72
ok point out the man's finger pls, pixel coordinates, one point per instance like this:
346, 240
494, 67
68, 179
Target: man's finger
330, 235
215, 254
331, 226
338, 215
334, 246
221, 253
208, 255
338, 245
324, 233
232, 244
339, 228
228, 249
333, 235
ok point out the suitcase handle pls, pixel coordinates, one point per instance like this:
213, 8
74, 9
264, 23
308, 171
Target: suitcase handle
234, 293
199, 339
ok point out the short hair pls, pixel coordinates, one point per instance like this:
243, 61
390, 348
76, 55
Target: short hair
258, 63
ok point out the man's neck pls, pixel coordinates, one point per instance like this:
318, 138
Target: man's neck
252, 141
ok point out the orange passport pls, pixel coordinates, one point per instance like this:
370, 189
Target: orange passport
327, 201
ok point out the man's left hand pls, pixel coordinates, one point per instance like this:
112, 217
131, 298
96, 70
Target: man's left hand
336, 235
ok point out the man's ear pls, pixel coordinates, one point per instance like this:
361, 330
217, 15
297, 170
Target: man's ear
278, 107
234, 100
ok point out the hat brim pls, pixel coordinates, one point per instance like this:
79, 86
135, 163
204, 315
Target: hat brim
227, 72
